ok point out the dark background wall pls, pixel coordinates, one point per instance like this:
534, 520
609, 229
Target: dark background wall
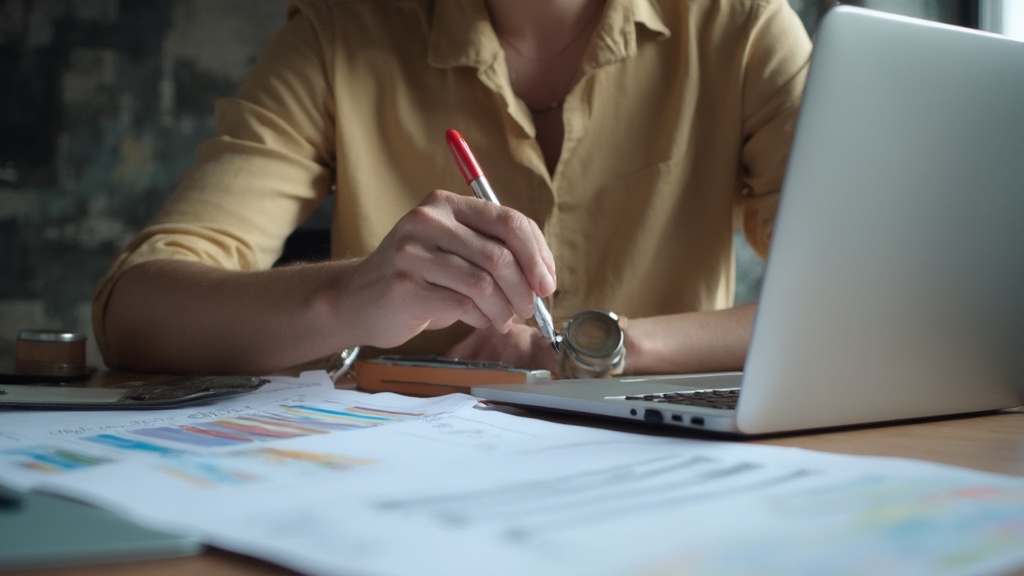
102, 103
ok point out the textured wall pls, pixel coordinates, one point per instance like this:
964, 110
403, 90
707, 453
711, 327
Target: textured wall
101, 105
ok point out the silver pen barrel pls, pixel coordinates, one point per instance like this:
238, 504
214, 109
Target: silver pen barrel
544, 322
482, 189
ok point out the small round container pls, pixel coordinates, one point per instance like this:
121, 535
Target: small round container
592, 346
50, 353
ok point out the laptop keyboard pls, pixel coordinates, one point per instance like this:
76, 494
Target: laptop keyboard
721, 398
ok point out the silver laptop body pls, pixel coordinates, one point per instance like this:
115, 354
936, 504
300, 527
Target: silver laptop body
895, 283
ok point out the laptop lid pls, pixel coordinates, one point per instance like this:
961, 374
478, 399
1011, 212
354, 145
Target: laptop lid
892, 285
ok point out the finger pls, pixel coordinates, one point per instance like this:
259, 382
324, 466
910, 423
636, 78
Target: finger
547, 257
517, 233
434, 221
426, 283
435, 307
501, 241
477, 290
454, 273
448, 306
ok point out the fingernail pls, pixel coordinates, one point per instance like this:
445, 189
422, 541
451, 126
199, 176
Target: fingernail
547, 284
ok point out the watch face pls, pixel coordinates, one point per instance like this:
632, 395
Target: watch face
592, 345
594, 333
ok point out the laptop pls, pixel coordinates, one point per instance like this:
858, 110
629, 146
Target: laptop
894, 284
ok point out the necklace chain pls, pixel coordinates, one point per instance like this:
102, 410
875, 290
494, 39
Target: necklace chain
565, 47
534, 109
547, 58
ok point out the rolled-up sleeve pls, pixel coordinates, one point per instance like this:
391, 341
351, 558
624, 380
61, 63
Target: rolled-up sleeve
775, 70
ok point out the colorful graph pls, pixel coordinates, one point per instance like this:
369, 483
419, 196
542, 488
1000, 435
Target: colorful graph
186, 442
876, 525
126, 443
281, 458
50, 459
352, 417
244, 466
290, 421
208, 474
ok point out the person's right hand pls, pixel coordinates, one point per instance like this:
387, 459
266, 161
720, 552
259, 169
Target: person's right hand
451, 258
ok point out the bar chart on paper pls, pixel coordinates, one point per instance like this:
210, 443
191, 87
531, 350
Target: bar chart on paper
290, 429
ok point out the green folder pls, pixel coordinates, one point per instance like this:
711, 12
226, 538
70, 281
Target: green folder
40, 530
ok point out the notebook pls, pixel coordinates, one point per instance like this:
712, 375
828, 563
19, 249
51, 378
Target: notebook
894, 283
46, 531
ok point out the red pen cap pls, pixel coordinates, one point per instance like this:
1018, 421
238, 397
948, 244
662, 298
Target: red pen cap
463, 157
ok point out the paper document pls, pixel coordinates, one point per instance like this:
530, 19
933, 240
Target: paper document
442, 486
290, 428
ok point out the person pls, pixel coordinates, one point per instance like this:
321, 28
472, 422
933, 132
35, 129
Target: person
625, 138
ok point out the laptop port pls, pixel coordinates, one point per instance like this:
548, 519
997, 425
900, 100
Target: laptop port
697, 420
653, 416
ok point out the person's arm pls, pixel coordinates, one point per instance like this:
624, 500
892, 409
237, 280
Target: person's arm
671, 344
451, 258
710, 341
178, 316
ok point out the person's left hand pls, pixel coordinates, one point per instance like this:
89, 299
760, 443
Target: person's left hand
521, 347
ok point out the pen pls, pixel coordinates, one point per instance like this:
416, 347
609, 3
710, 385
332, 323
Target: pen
482, 189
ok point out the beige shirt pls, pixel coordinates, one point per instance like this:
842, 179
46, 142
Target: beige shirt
678, 128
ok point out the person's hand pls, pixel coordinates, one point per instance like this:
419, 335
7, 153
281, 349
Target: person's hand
451, 258
521, 346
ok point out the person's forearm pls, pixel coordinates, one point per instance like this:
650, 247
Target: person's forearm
183, 317
450, 259
691, 342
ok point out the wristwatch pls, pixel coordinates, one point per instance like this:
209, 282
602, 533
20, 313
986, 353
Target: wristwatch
592, 346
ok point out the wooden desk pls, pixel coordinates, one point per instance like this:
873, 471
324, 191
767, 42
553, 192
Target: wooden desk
993, 443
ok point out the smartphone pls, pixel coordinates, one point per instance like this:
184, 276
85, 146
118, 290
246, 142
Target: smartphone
434, 376
140, 395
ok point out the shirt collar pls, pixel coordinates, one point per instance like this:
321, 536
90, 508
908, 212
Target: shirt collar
461, 33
